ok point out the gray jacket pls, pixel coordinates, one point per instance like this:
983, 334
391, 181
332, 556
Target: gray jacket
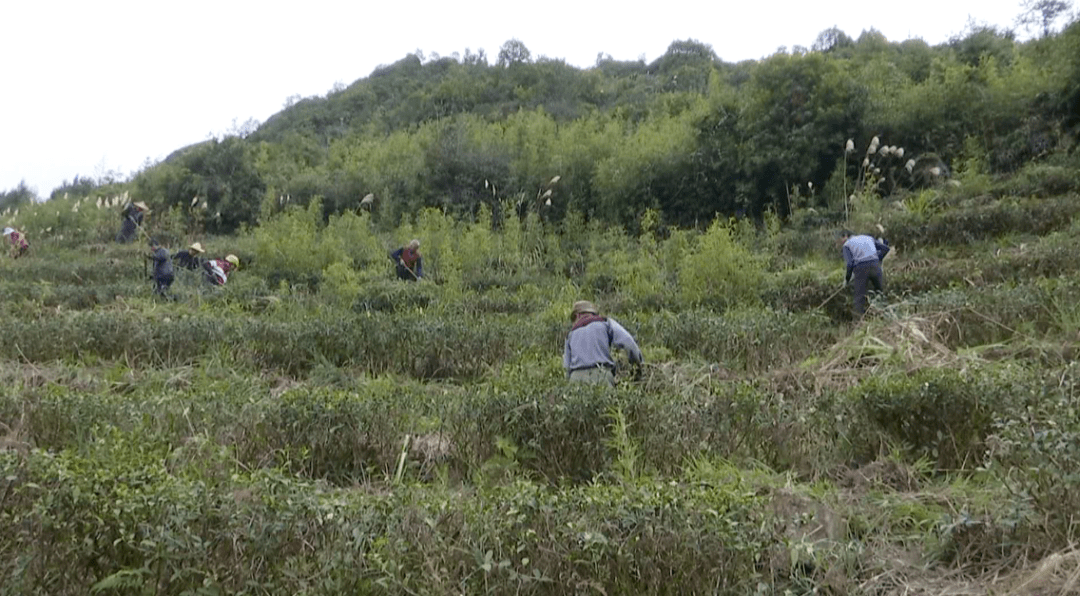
590, 346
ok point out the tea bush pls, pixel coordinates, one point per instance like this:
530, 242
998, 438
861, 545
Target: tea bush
746, 339
1035, 453
943, 414
131, 516
971, 224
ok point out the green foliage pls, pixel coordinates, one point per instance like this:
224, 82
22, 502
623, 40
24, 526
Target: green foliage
1034, 453
719, 271
941, 414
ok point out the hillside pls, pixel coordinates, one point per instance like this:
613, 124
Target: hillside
316, 426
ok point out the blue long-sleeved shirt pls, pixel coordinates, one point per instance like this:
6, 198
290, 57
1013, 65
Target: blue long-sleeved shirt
863, 249
590, 346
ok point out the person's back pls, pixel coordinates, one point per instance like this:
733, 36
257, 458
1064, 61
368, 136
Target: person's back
186, 260
587, 350
163, 268
163, 265
862, 249
217, 270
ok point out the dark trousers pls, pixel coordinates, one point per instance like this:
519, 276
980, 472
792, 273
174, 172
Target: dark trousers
405, 273
162, 283
864, 273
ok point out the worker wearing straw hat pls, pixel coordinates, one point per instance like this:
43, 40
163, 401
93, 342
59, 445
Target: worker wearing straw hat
19, 243
587, 352
218, 270
190, 259
132, 218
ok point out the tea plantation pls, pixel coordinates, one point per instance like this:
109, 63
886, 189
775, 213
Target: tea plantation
317, 427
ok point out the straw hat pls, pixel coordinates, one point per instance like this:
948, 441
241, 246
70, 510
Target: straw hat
232, 259
8, 231
196, 247
414, 243
141, 206
581, 307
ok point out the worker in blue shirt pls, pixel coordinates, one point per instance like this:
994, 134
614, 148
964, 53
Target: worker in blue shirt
862, 255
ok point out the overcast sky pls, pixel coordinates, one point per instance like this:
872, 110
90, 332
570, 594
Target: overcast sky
97, 86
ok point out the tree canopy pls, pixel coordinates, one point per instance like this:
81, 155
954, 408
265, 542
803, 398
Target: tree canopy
687, 134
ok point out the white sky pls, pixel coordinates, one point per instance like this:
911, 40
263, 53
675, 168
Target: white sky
92, 86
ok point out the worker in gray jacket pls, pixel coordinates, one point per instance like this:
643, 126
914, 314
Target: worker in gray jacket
163, 268
587, 353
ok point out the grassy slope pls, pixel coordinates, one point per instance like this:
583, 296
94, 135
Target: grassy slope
380, 437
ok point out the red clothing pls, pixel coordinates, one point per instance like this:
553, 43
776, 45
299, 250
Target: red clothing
19, 243
218, 270
585, 320
410, 256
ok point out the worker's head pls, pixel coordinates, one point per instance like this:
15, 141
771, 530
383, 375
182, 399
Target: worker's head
232, 259
154, 244
582, 307
843, 235
9, 231
414, 244
196, 248
141, 206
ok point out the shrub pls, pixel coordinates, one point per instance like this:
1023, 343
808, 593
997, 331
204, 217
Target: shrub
719, 271
1035, 452
942, 414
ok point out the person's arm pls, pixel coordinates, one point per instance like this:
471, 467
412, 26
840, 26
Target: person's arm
396, 255
850, 262
621, 338
882, 248
566, 356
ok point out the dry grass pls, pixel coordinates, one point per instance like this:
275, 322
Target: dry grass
906, 341
1055, 575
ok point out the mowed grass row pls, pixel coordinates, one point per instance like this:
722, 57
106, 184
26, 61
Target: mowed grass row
427, 343
424, 345
356, 430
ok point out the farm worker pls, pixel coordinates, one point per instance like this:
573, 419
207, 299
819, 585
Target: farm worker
863, 255
410, 265
19, 243
163, 268
189, 259
132, 217
587, 353
218, 270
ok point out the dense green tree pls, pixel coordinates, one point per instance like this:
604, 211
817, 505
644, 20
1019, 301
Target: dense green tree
831, 40
513, 52
687, 135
